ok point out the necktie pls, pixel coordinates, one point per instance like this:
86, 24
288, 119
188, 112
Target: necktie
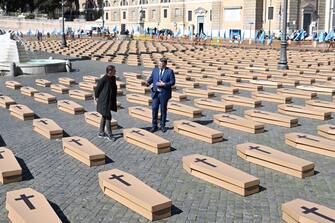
161, 75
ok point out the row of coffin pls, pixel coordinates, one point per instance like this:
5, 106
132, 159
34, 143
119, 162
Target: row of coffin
28, 205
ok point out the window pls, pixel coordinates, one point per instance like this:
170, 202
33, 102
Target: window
144, 14
106, 16
153, 13
210, 15
165, 13
177, 12
142, 2
165, 1
123, 2
124, 15
189, 16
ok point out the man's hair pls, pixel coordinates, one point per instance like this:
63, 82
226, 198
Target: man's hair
109, 68
163, 60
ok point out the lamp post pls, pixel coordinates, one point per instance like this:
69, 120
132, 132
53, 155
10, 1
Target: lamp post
282, 64
63, 25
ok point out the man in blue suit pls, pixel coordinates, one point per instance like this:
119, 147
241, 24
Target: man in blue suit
162, 79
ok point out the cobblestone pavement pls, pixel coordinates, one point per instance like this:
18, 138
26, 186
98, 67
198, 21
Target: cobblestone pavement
73, 190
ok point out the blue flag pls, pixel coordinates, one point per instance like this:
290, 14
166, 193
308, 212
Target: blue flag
330, 36
262, 38
321, 37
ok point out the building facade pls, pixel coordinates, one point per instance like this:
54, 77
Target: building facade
219, 17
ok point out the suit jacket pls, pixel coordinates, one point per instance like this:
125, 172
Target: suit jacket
168, 78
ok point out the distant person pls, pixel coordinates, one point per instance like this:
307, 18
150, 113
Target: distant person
162, 79
105, 96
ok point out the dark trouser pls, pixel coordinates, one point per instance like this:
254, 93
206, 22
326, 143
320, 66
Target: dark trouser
106, 121
157, 103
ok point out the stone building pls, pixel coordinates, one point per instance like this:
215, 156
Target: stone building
219, 17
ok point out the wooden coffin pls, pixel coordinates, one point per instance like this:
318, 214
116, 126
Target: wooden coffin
43, 82
209, 81
238, 123
198, 93
271, 118
318, 90
321, 105
241, 101
187, 84
275, 159
87, 86
248, 86
134, 194
66, 80
58, 88
6, 101
90, 78
185, 110
47, 128
302, 211
327, 131
146, 140
21, 112
45, 98
198, 131
311, 143
29, 206
10, 169
142, 113
296, 93
13, 85
70, 107
302, 111
213, 105
139, 99
28, 91
138, 89
221, 174
271, 97
178, 96
79, 94
266, 83
83, 150
94, 118
223, 89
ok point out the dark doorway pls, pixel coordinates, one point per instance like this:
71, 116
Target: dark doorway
307, 22
201, 21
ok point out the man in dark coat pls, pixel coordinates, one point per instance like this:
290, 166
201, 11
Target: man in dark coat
162, 79
105, 95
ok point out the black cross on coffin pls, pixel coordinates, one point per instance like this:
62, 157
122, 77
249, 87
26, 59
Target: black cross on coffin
176, 105
138, 132
76, 141
306, 137
261, 112
19, 107
313, 210
119, 178
258, 149
45, 122
188, 124
94, 114
227, 116
2, 97
26, 200
1, 157
140, 109
66, 102
331, 127
197, 160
